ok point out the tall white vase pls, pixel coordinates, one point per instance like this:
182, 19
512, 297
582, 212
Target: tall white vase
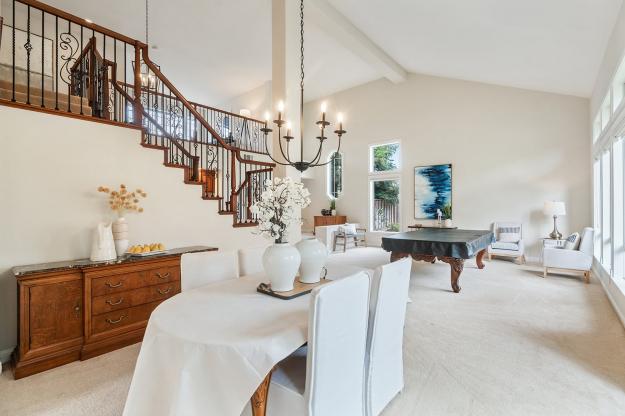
314, 254
120, 235
281, 262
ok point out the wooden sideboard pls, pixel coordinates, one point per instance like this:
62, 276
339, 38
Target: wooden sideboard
329, 220
75, 310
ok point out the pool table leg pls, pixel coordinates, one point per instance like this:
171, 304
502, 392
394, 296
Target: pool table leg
457, 265
478, 259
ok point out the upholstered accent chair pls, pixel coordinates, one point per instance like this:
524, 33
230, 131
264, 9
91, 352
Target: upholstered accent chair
349, 233
508, 241
576, 257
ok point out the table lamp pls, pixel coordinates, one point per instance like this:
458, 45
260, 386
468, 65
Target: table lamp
554, 209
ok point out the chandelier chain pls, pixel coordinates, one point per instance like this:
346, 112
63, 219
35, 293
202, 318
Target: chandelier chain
146, 22
301, 42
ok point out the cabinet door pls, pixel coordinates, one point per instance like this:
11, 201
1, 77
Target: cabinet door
55, 311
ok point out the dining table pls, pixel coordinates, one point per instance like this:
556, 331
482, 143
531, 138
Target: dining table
211, 350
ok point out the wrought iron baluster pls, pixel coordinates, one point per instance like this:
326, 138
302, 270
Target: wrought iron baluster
56, 62
29, 47
82, 60
43, 19
13, 51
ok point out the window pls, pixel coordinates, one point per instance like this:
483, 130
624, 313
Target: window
606, 111
596, 128
384, 158
618, 255
597, 207
384, 187
606, 205
385, 205
618, 87
335, 175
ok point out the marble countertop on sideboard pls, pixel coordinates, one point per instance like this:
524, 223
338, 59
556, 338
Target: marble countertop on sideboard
20, 271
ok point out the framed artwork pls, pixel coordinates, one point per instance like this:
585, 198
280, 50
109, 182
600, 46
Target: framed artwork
432, 191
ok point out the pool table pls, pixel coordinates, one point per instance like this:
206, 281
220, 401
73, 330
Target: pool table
452, 246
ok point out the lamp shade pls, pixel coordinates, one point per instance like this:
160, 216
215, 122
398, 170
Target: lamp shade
554, 208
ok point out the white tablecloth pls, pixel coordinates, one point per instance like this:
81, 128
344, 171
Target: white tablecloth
205, 351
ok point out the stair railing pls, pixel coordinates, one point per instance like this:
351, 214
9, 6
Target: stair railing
64, 64
52, 58
232, 165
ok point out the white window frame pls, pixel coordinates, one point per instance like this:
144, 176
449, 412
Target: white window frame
389, 175
329, 179
386, 172
382, 178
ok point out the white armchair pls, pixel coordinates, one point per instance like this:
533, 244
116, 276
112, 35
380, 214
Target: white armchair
571, 259
508, 241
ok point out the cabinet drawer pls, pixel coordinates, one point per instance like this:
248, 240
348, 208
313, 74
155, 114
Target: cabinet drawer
121, 318
134, 280
122, 300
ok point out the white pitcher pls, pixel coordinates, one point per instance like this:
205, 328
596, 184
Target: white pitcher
103, 247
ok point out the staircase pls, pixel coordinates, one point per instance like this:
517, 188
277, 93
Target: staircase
64, 65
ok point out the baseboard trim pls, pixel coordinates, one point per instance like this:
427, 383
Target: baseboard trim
5, 355
609, 286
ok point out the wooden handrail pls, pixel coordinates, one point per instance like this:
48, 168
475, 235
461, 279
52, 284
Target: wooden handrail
182, 99
173, 140
75, 19
248, 176
90, 45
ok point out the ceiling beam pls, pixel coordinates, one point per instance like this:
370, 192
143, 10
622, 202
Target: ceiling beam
340, 28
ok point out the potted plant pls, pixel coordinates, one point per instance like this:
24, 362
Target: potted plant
333, 206
275, 212
122, 201
446, 211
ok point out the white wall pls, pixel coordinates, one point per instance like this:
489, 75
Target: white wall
257, 101
511, 150
50, 167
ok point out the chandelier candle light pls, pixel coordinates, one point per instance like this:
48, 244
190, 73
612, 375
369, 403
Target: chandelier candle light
301, 165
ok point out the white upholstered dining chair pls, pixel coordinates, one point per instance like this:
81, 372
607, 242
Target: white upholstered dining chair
328, 379
199, 269
384, 364
251, 261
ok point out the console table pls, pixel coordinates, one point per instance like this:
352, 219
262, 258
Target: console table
321, 220
75, 310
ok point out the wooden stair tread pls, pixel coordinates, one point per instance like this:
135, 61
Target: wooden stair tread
48, 102
245, 224
35, 91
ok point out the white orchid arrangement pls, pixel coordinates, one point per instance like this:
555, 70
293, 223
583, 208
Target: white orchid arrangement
275, 210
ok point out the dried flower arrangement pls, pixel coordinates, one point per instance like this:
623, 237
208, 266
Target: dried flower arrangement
122, 200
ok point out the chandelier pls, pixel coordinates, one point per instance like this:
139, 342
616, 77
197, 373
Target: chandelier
301, 165
148, 78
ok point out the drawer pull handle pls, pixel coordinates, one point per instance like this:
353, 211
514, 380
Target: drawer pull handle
163, 276
112, 303
111, 285
116, 321
164, 292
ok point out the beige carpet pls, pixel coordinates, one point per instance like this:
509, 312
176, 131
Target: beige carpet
511, 343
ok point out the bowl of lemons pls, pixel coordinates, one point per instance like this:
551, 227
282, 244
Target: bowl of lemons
146, 249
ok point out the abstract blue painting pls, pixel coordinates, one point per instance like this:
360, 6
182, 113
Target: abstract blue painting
432, 191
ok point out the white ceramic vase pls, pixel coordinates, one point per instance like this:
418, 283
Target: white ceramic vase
314, 255
448, 223
334, 213
281, 262
120, 235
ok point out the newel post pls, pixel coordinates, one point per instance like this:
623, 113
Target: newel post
138, 113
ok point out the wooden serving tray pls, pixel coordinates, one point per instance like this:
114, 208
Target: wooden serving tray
299, 289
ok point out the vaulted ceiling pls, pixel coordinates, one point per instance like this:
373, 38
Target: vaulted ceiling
216, 49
